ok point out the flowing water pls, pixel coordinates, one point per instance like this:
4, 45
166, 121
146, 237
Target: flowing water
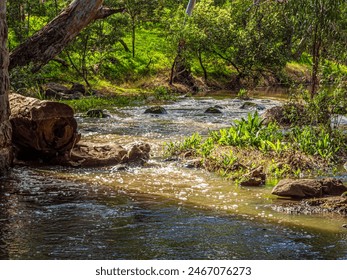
160, 211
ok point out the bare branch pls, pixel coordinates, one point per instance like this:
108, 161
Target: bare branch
105, 12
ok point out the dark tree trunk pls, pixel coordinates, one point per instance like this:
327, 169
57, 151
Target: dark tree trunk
316, 48
202, 65
41, 129
5, 126
133, 36
125, 46
56, 35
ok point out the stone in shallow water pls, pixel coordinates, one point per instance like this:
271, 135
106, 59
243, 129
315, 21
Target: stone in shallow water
96, 113
213, 110
156, 110
251, 105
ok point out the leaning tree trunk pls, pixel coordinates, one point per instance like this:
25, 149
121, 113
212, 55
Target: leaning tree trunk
41, 129
56, 35
5, 126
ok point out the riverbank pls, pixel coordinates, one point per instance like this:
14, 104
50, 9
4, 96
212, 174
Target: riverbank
176, 122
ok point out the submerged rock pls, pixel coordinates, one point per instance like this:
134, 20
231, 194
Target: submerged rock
251, 105
213, 110
96, 113
156, 110
309, 188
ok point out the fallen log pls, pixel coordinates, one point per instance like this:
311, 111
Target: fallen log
41, 129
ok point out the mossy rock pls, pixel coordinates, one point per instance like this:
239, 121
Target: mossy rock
248, 105
213, 110
96, 113
156, 110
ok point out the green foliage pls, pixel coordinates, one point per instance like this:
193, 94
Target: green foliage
316, 141
227, 160
24, 81
251, 133
318, 109
243, 94
279, 170
162, 93
221, 39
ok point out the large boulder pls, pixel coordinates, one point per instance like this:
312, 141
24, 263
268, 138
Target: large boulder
308, 188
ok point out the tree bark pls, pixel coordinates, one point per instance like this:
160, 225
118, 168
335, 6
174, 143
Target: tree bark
56, 35
41, 129
5, 126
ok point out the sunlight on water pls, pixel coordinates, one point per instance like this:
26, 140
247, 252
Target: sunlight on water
161, 210
204, 190
169, 179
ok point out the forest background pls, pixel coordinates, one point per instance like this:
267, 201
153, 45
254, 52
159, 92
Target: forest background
223, 44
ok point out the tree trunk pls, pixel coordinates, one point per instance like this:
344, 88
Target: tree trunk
56, 35
202, 65
41, 129
133, 36
316, 46
5, 126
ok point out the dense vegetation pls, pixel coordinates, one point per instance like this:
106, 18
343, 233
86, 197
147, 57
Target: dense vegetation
227, 43
154, 45
250, 143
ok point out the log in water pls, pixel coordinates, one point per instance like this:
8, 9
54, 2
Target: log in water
41, 128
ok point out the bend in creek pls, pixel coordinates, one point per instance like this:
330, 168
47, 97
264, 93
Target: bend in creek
170, 179
160, 211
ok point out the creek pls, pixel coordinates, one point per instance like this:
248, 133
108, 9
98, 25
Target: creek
163, 210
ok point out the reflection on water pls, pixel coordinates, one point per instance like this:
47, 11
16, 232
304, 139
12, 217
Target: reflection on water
161, 211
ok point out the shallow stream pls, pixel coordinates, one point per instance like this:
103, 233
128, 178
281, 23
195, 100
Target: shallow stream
161, 211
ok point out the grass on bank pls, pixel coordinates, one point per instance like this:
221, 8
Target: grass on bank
249, 143
127, 98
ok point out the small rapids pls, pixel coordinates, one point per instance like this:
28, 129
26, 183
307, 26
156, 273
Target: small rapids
160, 211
